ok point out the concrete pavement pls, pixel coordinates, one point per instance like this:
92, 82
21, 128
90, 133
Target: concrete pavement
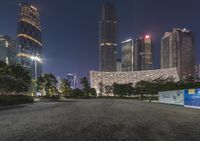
99, 120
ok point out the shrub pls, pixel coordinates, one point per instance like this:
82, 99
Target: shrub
15, 99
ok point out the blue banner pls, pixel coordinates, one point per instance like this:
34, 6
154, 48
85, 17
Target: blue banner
192, 98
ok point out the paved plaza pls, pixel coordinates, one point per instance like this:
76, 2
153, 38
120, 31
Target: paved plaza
99, 120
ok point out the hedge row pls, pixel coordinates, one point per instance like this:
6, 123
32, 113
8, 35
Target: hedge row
15, 99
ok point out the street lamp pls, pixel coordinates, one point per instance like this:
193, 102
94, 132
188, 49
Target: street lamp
36, 59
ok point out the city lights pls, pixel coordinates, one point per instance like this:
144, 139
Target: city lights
33, 7
35, 58
29, 37
147, 36
127, 41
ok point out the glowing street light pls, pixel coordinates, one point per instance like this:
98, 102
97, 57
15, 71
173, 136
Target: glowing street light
36, 59
147, 36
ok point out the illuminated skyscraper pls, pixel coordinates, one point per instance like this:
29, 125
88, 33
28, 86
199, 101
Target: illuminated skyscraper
127, 55
108, 45
177, 50
143, 53
29, 39
168, 51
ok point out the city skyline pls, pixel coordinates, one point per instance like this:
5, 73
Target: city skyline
66, 47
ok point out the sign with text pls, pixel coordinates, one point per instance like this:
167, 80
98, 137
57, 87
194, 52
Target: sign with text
172, 97
192, 98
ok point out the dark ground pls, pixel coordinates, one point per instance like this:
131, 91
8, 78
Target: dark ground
99, 120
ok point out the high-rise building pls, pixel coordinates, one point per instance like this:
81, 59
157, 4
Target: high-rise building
29, 40
108, 45
168, 50
7, 49
59, 83
143, 53
177, 50
73, 80
127, 55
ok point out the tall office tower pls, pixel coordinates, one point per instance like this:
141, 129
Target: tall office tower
177, 50
108, 45
29, 39
168, 51
143, 53
7, 49
127, 55
73, 80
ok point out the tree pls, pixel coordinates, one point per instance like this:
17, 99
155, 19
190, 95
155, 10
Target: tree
119, 89
47, 83
108, 89
152, 87
14, 79
76, 93
85, 86
65, 87
3, 68
40, 84
8, 84
129, 89
22, 75
93, 92
101, 89
141, 88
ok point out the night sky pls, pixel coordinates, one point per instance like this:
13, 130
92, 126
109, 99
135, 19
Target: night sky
71, 29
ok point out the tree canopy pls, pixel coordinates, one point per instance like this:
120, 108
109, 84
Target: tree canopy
14, 79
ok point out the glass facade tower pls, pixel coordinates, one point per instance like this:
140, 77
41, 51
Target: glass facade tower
29, 39
178, 50
108, 45
143, 53
7, 49
127, 55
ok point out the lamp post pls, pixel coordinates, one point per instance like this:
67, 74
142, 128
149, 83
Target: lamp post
132, 49
36, 59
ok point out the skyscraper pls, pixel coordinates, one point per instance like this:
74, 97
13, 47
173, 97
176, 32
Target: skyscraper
168, 51
127, 55
108, 45
7, 49
73, 80
143, 53
29, 39
177, 50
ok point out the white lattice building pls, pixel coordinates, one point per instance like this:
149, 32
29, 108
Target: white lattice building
108, 78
